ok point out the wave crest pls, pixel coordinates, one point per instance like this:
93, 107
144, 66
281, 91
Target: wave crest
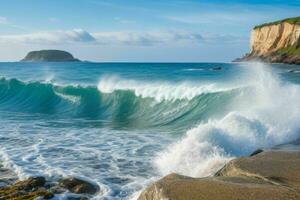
160, 91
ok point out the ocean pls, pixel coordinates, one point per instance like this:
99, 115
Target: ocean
124, 125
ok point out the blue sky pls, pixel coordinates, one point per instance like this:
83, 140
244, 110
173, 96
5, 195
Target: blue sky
136, 30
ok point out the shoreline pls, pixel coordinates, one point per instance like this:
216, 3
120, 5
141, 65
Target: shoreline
265, 174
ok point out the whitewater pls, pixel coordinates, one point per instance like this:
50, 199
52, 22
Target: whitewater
124, 125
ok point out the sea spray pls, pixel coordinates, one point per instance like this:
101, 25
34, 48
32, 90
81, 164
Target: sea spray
265, 114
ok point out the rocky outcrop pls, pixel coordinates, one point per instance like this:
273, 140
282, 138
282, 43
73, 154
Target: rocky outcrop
40, 188
276, 42
49, 56
27, 189
271, 175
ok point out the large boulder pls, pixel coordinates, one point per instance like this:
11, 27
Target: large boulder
273, 175
277, 167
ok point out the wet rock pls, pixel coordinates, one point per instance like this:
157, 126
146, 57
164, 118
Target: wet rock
57, 189
78, 186
257, 151
14, 193
28, 189
39, 188
77, 198
48, 195
18, 193
217, 68
31, 184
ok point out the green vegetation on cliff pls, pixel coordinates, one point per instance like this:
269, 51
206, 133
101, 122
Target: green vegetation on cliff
294, 20
291, 50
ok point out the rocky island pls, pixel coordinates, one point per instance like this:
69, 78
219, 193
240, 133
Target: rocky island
49, 56
275, 42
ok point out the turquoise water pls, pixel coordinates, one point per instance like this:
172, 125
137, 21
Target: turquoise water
124, 125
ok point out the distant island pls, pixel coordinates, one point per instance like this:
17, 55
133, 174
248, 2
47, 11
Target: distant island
275, 42
49, 56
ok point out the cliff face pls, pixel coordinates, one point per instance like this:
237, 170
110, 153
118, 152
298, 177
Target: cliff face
49, 56
269, 39
276, 42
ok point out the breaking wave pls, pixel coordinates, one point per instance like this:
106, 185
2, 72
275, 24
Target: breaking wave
127, 102
265, 114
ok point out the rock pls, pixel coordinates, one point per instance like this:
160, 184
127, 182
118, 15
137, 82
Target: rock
16, 193
257, 151
272, 175
217, 68
31, 183
28, 189
276, 167
48, 195
78, 186
57, 190
39, 188
77, 198
49, 56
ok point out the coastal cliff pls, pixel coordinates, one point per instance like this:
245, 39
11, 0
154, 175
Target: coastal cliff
276, 42
49, 56
271, 175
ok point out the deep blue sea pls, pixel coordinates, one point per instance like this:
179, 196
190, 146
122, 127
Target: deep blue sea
125, 125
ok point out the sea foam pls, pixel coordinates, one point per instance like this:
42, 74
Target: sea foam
160, 91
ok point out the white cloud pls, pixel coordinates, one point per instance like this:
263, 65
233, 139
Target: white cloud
125, 38
3, 20
141, 38
55, 37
